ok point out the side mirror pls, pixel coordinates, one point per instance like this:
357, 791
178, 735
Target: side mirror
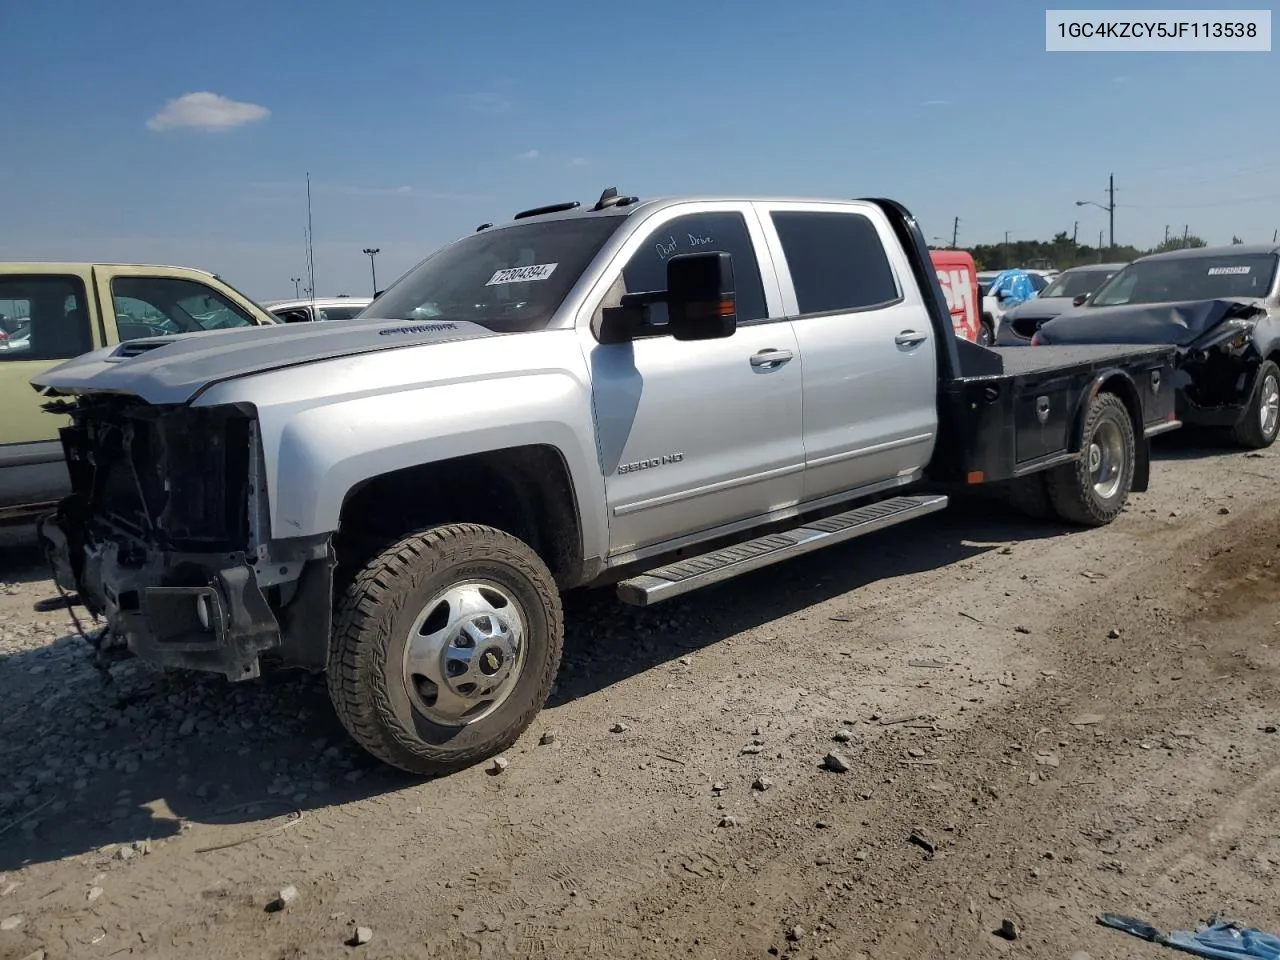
1078, 299
701, 302
1000, 295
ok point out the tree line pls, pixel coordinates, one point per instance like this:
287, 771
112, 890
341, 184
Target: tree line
1062, 252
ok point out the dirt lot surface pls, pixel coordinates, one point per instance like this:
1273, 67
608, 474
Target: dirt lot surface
1039, 726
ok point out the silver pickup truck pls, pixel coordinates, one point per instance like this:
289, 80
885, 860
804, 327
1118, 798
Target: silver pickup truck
658, 395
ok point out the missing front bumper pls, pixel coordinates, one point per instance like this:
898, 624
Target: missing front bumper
181, 610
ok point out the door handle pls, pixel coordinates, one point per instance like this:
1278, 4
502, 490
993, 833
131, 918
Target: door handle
909, 338
770, 359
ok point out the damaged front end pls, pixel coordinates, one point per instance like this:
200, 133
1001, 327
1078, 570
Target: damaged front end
1216, 372
164, 536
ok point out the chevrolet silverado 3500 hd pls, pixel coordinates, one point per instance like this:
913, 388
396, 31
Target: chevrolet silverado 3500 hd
658, 394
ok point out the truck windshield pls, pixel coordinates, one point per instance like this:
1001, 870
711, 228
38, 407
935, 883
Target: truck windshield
1189, 278
510, 280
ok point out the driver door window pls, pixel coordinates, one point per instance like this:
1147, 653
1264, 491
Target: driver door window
160, 306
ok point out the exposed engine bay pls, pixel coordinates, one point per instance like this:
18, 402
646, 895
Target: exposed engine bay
164, 537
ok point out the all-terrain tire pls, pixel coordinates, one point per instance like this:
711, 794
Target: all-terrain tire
1071, 486
1030, 496
366, 672
1252, 432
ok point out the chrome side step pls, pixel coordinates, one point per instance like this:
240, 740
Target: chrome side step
685, 576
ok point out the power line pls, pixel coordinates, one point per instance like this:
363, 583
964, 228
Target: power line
1200, 206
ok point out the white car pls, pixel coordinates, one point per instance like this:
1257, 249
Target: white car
322, 308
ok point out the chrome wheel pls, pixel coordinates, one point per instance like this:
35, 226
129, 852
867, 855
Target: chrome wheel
1269, 406
465, 653
1106, 459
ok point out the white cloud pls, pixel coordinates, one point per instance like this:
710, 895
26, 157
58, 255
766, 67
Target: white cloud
1120, 79
485, 102
579, 162
206, 111
529, 155
936, 103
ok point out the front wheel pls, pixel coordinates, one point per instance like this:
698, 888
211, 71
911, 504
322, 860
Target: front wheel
1261, 423
986, 333
445, 648
1092, 490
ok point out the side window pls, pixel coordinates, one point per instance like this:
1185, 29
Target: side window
44, 318
155, 306
836, 261
646, 271
339, 313
297, 315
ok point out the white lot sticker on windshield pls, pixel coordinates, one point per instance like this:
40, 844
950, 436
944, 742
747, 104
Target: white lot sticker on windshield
537, 271
1219, 271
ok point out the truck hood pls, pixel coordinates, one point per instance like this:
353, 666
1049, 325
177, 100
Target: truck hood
164, 370
1039, 307
1180, 324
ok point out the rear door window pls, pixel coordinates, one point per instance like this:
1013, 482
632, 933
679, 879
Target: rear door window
836, 260
44, 318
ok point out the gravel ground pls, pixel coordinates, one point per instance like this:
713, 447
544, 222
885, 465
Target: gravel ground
918, 745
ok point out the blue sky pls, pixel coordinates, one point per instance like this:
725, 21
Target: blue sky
418, 121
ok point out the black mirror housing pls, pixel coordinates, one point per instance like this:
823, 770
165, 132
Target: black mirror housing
1079, 299
701, 302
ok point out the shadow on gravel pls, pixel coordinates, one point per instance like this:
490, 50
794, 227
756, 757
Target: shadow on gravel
610, 641
20, 560
1198, 443
89, 765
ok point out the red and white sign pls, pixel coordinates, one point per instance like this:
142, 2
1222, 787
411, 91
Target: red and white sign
958, 276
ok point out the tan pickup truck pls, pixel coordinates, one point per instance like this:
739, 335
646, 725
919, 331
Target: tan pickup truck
50, 312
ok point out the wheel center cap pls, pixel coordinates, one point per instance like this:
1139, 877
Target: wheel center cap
491, 661
1095, 456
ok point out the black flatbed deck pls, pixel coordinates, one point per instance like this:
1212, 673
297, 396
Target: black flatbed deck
1028, 361
1013, 411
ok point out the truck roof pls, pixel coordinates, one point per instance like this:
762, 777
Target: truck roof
623, 206
99, 263
1224, 250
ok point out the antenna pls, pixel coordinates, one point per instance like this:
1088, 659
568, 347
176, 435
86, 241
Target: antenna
311, 257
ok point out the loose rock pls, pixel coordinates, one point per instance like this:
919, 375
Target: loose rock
915, 752
795, 933
842, 736
283, 899
547, 738
619, 728
362, 936
728, 821
499, 764
93, 894
1113, 634
836, 763
12, 923
762, 784
1008, 930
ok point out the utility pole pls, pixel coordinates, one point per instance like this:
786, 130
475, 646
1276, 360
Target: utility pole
372, 252
297, 291
955, 232
1166, 233
1186, 228
1075, 232
1111, 206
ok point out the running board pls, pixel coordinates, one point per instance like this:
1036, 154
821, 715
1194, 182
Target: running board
684, 576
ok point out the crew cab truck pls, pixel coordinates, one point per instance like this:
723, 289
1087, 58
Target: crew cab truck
50, 312
654, 394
